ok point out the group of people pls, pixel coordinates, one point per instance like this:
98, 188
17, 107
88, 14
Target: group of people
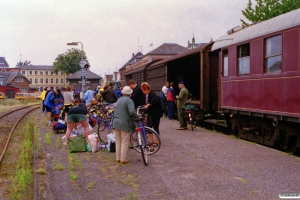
128, 99
180, 101
135, 95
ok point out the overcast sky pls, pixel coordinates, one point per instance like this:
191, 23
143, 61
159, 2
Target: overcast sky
110, 30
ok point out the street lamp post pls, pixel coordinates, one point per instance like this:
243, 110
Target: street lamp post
82, 69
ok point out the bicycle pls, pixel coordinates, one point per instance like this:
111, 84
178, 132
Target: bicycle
105, 123
149, 136
191, 111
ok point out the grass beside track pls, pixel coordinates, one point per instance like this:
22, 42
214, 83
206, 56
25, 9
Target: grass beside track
20, 155
10, 104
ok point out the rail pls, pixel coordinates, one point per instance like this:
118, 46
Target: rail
15, 125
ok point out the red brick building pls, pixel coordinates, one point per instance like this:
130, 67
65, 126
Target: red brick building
12, 82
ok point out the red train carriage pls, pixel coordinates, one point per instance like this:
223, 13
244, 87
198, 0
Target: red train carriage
259, 81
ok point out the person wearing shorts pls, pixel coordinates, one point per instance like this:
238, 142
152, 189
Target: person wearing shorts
68, 101
77, 114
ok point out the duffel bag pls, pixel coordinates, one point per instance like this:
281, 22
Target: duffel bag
77, 144
54, 125
60, 126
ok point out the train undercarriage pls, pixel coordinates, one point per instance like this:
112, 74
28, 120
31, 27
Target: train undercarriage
282, 135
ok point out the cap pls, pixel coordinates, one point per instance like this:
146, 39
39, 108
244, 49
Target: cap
181, 82
127, 90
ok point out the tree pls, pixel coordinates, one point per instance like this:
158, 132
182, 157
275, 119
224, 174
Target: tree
23, 63
68, 62
266, 9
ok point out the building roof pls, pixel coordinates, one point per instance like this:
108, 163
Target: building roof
3, 62
9, 76
36, 67
88, 75
239, 34
168, 49
179, 56
138, 55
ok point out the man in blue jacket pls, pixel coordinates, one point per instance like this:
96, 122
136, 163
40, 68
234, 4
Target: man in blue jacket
49, 105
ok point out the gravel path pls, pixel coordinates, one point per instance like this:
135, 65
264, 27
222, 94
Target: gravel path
199, 164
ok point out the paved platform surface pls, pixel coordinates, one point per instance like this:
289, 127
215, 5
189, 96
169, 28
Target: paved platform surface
199, 164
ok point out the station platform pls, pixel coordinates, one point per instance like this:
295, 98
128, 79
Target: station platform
199, 164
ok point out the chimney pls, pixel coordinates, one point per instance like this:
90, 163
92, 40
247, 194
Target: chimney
132, 54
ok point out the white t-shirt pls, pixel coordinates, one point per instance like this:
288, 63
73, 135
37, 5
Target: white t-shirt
165, 90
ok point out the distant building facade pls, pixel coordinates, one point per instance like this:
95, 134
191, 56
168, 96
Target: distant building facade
91, 79
12, 82
194, 45
41, 76
135, 58
136, 69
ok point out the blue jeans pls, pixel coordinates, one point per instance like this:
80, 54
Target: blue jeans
171, 107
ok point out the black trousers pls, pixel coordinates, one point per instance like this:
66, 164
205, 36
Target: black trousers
155, 123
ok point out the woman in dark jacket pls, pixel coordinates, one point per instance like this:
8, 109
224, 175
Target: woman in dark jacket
152, 104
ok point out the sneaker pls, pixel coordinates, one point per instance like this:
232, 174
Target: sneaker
63, 138
65, 143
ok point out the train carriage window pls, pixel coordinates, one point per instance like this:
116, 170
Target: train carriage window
273, 51
244, 59
225, 62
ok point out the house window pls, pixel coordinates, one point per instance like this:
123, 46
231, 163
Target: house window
23, 72
61, 73
273, 51
19, 80
30, 80
62, 80
46, 72
3, 70
35, 72
244, 59
56, 81
225, 62
51, 73
51, 80
35, 80
30, 72
41, 72
46, 80
41, 80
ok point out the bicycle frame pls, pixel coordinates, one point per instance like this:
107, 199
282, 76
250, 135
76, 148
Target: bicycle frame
143, 131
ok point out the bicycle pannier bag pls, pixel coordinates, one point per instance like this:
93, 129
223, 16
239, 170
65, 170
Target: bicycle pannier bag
77, 144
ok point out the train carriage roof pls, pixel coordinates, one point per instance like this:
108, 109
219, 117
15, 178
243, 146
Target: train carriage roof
275, 24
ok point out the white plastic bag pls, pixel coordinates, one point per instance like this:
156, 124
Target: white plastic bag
93, 140
110, 139
80, 129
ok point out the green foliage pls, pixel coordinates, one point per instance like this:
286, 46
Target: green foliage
23, 175
267, 9
48, 138
68, 62
90, 185
41, 171
24, 63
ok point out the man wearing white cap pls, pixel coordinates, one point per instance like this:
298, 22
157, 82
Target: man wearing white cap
123, 113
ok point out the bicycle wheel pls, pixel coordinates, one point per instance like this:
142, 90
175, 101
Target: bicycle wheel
191, 123
153, 141
144, 154
102, 135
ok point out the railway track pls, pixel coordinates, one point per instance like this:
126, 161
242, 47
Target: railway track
8, 123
